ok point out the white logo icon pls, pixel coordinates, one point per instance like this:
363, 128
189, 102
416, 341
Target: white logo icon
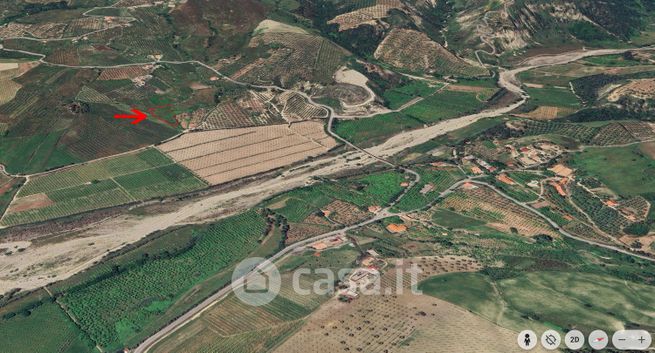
256, 281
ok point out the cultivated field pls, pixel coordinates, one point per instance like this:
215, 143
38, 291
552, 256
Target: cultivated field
297, 108
400, 322
232, 326
220, 156
253, 108
295, 57
642, 89
60, 335
499, 213
415, 51
124, 73
433, 182
545, 113
105, 183
366, 15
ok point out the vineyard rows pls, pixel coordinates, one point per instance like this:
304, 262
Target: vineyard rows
106, 183
296, 108
606, 218
104, 307
485, 204
610, 134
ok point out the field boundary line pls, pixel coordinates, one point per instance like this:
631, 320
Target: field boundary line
123, 189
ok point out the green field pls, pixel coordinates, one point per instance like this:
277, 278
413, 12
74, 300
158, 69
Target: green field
46, 329
369, 131
398, 96
115, 309
105, 183
617, 60
375, 189
454, 220
444, 105
627, 170
241, 326
553, 96
434, 108
561, 300
440, 180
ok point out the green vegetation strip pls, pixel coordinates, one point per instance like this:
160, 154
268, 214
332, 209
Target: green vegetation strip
114, 309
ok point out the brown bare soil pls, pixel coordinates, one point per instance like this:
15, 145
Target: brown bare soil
345, 212
302, 231
643, 89
220, 156
31, 202
543, 113
648, 148
464, 88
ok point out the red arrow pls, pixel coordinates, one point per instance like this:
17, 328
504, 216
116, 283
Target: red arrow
138, 116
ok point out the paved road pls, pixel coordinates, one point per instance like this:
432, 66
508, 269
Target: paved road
207, 303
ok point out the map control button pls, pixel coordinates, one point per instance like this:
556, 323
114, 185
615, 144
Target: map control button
639, 340
598, 340
551, 340
527, 340
574, 340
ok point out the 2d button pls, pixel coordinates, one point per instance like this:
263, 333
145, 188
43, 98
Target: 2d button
639, 340
551, 340
598, 340
574, 340
527, 339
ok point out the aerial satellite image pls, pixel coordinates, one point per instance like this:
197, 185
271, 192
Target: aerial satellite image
323, 176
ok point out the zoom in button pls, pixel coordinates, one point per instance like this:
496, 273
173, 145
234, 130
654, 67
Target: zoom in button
638, 340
